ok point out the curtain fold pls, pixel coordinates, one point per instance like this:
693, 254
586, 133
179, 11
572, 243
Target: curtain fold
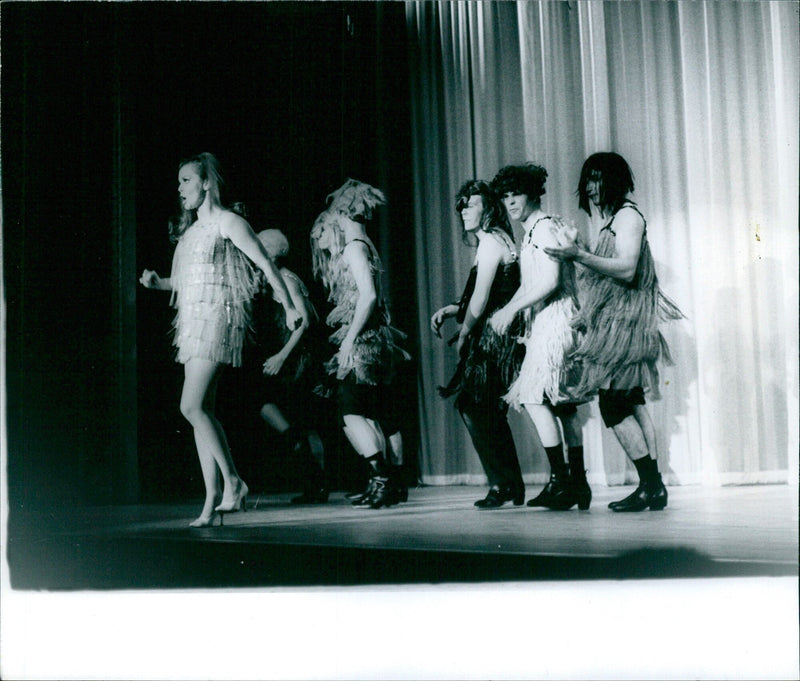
701, 99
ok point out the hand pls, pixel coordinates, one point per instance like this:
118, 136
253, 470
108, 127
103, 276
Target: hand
501, 320
438, 319
150, 279
293, 319
566, 235
274, 364
345, 351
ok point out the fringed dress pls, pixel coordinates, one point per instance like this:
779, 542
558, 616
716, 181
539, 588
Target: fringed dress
489, 362
619, 322
376, 351
272, 334
212, 286
548, 375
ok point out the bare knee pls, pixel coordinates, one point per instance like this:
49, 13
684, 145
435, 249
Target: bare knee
192, 411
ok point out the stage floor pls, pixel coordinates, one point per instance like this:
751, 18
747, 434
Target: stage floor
435, 537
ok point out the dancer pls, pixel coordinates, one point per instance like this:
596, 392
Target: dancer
290, 370
622, 305
212, 283
488, 362
544, 386
348, 264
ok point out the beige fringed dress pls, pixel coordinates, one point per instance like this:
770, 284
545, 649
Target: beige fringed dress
621, 342
212, 285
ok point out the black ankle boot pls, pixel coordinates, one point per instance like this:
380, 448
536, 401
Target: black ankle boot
383, 493
556, 495
651, 494
580, 488
498, 495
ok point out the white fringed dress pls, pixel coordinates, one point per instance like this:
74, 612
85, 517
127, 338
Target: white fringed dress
212, 285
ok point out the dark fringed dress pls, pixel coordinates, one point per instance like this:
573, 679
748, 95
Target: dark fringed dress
619, 321
376, 351
489, 362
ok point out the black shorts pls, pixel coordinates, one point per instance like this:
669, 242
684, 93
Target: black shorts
617, 405
374, 402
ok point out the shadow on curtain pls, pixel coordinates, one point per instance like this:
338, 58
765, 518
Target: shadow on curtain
701, 99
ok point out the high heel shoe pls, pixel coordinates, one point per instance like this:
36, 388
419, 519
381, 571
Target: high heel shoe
239, 503
497, 496
207, 521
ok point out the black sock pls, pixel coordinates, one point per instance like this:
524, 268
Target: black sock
576, 465
377, 465
555, 455
647, 469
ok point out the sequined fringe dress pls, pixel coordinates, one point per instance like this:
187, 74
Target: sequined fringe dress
212, 286
376, 351
547, 374
619, 322
489, 362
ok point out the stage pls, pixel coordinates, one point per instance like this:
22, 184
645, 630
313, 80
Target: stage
436, 537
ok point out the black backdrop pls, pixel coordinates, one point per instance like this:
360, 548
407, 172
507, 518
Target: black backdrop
100, 102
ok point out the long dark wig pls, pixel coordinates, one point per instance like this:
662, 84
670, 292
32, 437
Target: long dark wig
616, 181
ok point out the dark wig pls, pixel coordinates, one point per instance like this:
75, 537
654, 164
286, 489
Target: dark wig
527, 179
616, 180
494, 215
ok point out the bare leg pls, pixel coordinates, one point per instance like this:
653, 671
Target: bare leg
364, 434
631, 436
197, 404
274, 417
545, 424
642, 416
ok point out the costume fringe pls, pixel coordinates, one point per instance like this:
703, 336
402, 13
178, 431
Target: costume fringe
547, 372
213, 284
620, 326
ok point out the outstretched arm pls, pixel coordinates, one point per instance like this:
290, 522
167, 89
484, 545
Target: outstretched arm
150, 279
629, 227
238, 230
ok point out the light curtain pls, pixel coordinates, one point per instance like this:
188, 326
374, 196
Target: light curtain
702, 100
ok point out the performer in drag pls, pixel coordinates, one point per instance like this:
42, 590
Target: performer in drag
212, 283
547, 378
290, 371
621, 307
488, 361
347, 263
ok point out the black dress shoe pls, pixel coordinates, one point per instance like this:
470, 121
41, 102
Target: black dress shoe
556, 495
497, 496
652, 495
